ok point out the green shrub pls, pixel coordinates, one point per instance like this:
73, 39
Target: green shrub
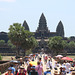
0, 73
28, 52
0, 57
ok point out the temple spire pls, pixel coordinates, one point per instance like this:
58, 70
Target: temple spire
25, 25
60, 29
42, 24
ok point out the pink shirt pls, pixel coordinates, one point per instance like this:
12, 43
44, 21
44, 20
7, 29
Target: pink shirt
39, 69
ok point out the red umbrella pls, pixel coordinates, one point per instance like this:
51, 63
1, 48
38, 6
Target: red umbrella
67, 58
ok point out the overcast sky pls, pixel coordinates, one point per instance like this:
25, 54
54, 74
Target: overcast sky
13, 11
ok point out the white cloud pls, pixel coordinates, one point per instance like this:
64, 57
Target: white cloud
7, 0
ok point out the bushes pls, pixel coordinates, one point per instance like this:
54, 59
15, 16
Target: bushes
28, 52
0, 57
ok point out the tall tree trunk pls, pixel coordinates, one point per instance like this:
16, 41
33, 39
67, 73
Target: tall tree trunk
17, 51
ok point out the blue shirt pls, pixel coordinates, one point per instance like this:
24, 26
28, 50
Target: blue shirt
47, 73
13, 69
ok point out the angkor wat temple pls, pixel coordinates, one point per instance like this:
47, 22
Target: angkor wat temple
43, 31
41, 34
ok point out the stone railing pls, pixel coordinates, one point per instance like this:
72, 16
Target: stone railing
5, 66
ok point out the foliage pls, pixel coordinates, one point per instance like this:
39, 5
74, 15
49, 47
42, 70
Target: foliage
0, 57
30, 43
71, 46
28, 52
21, 37
2, 42
55, 44
64, 43
11, 45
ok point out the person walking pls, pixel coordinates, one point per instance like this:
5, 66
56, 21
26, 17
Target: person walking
29, 68
22, 71
13, 69
40, 60
33, 71
48, 72
9, 72
49, 63
39, 68
68, 66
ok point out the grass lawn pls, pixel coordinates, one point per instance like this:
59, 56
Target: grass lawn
7, 58
71, 56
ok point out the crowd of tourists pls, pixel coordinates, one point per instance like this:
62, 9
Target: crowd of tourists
53, 67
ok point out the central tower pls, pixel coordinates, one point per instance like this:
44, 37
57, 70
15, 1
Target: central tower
42, 24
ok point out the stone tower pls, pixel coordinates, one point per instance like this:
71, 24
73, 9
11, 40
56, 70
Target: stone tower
60, 29
25, 25
42, 30
42, 24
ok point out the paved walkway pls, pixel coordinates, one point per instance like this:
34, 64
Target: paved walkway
44, 66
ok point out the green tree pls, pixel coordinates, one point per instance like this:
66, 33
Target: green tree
55, 45
20, 37
71, 46
11, 45
0, 57
28, 52
2, 42
29, 44
65, 44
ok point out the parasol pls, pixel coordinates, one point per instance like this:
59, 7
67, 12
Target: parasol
59, 56
67, 58
33, 63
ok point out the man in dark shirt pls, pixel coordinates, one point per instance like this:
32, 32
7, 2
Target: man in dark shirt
33, 72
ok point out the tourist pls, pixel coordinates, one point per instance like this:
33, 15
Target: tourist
41, 54
9, 72
11, 58
74, 63
22, 71
45, 58
49, 63
55, 65
21, 61
28, 61
64, 64
68, 66
63, 70
33, 71
13, 69
71, 64
29, 68
71, 70
56, 73
48, 72
41, 63
16, 66
39, 68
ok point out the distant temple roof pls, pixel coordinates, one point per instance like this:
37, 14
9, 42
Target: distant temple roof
25, 25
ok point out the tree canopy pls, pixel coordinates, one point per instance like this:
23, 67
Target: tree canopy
21, 37
55, 44
2, 42
11, 45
